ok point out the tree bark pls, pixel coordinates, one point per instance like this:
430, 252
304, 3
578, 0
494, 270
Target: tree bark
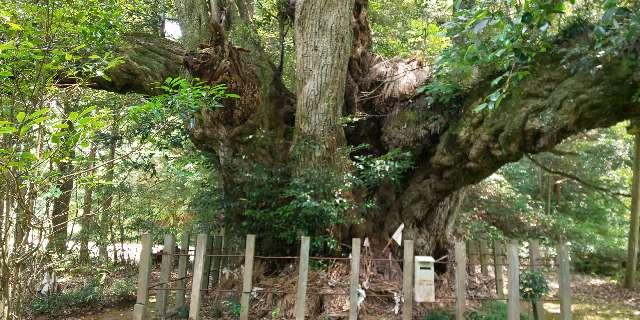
195, 22
87, 203
632, 252
323, 47
105, 227
60, 212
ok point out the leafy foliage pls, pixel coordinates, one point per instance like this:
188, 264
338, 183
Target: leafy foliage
533, 285
390, 167
438, 315
409, 28
523, 200
497, 40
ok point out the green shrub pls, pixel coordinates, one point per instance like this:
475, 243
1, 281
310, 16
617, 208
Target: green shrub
438, 315
122, 288
496, 310
233, 307
47, 305
98, 291
533, 286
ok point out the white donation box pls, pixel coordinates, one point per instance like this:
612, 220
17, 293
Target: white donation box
424, 281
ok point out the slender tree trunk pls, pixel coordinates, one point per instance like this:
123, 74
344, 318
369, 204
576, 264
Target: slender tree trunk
105, 216
632, 257
3, 197
60, 212
324, 39
86, 223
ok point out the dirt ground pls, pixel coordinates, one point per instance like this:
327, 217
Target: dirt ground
594, 299
599, 299
116, 313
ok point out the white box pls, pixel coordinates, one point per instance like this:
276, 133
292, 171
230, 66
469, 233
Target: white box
424, 289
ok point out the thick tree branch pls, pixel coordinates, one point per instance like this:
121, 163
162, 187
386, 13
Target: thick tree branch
146, 61
558, 100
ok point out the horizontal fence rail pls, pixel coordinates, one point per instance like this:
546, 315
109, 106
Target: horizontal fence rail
212, 254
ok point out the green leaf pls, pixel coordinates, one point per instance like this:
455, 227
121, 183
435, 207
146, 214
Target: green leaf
481, 107
87, 110
38, 113
28, 156
14, 26
497, 80
493, 97
7, 130
20, 116
24, 129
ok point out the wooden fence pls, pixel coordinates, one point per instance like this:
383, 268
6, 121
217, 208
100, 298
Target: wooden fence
209, 250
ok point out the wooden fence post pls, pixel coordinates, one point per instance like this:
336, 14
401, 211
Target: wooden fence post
564, 282
461, 274
513, 303
498, 262
355, 278
216, 261
165, 274
535, 261
183, 260
224, 249
143, 277
303, 274
207, 263
484, 252
247, 277
471, 258
407, 281
198, 273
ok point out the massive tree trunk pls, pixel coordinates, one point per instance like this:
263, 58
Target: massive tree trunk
323, 46
452, 145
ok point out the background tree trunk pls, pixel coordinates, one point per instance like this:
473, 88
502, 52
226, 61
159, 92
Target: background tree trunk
60, 212
86, 222
634, 224
193, 17
106, 210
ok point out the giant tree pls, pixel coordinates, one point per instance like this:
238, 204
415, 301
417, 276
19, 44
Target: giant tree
457, 130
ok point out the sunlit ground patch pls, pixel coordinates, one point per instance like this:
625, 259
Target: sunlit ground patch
593, 311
